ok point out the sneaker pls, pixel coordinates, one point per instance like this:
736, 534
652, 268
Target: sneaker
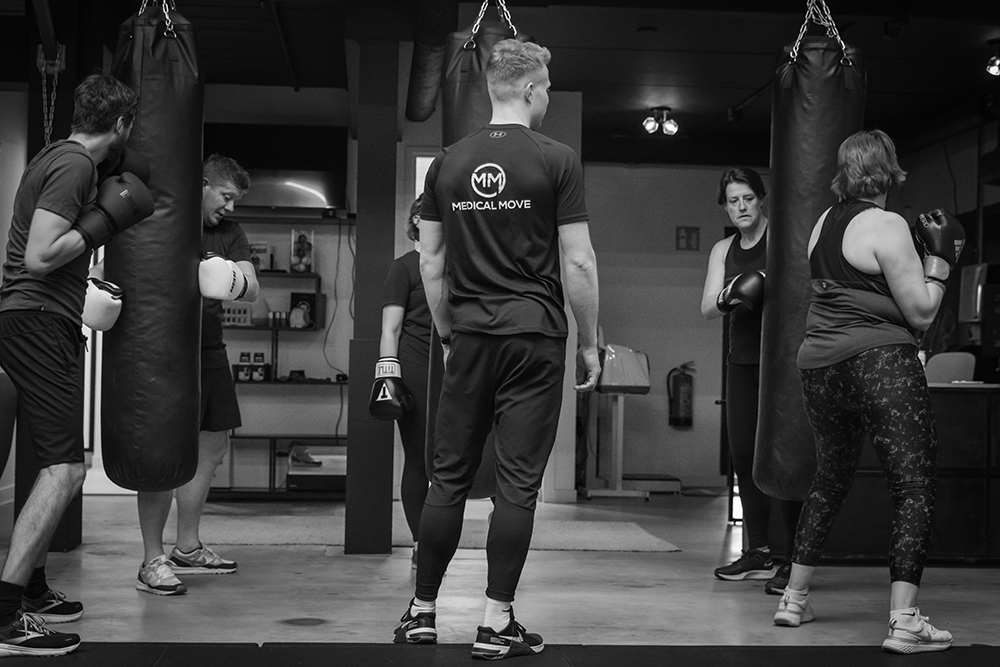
793, 611
909, 632
53, 607
200, 561
753, 564
157, 578
510, 642
776, 584
300, 456
29, 636
416, 629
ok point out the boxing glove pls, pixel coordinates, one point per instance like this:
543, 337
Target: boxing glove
102, 304
130, 161
744, 293
943, 238
220, 278
390, 398
122, 201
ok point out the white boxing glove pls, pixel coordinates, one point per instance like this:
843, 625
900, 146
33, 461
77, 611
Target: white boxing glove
102, 305
220, 278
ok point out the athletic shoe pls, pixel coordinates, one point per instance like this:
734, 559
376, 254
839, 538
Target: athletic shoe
909, 632
753, 564
29, 636
776, 585
510, 642
53, 607
157, 578
200, 561
300, 456
792, 611
416, 629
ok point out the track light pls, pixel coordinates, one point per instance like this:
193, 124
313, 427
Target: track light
993, 65
660, 120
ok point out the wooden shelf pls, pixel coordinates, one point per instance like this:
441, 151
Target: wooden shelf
307, 381
278, 215
264, 327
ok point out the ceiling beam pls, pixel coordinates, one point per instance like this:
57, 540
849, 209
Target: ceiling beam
284, 45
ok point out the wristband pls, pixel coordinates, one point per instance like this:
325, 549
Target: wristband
446, 340
937, 281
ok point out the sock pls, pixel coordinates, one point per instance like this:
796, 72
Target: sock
497, 614
419, 606
189, 552
797, 595
37, 586
10, 602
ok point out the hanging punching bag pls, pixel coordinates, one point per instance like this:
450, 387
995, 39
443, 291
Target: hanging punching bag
818, 101
151, 381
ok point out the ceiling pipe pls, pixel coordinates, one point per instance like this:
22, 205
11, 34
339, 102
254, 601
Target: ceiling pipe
284, 45
434, 20
965, 117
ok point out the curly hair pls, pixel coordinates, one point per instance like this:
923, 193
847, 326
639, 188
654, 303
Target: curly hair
218, 169
866, 166
412, 228
99, 101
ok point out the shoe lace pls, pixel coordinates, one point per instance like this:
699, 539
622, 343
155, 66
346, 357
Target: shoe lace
55, 595
33, 624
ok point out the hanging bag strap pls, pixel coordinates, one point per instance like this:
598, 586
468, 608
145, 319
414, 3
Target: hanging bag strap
819, 13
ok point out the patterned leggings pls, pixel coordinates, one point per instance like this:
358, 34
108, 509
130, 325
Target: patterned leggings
881, 392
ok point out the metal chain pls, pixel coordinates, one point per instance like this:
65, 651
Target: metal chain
49, 100
169, 30
504, 16
819, 13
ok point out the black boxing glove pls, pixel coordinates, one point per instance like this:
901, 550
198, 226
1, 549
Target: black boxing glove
744, 293
121, 202
390, 398
943, 238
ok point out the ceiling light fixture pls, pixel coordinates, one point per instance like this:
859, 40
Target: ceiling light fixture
993, 65
660, 120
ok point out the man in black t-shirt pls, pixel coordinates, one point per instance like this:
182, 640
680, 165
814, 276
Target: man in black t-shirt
41, 346
498, 207
224, 182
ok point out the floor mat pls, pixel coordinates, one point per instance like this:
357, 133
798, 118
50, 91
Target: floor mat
97, 654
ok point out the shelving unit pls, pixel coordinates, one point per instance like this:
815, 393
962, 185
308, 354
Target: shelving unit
258, 465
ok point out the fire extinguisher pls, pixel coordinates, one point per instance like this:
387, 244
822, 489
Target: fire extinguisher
680, 391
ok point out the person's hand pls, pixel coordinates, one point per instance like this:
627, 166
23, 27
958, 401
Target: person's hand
592, 366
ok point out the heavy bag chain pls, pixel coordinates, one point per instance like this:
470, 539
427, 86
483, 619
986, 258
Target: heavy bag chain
46, 68
168, 31
504, 16
818, 12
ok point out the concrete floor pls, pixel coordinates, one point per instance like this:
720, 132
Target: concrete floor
318, 594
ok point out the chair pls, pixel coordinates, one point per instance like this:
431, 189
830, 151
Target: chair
950, 366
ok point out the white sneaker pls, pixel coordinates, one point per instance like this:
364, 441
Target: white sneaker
200, 561
793, 610
909, 632
157, 578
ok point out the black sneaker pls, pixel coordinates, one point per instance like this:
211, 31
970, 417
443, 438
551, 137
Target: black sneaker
29, 636
53, 607
418, 629
510, 642
753, 564
776, 585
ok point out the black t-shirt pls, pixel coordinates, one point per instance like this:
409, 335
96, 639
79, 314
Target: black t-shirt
226, 239
61, 179
744, 328
402, 287
501, 194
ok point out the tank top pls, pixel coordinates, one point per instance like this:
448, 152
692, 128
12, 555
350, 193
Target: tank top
850, 311
744, 328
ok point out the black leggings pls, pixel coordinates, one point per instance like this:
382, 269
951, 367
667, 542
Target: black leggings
413, 434
742, 394
881, 392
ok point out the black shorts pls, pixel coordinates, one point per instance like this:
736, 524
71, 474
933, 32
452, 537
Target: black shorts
220, 410
513, 381
43, 355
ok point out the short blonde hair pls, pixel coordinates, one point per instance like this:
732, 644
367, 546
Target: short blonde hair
867, 166
511, 61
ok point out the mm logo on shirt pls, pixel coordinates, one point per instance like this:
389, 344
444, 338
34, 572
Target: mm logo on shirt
489, 180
